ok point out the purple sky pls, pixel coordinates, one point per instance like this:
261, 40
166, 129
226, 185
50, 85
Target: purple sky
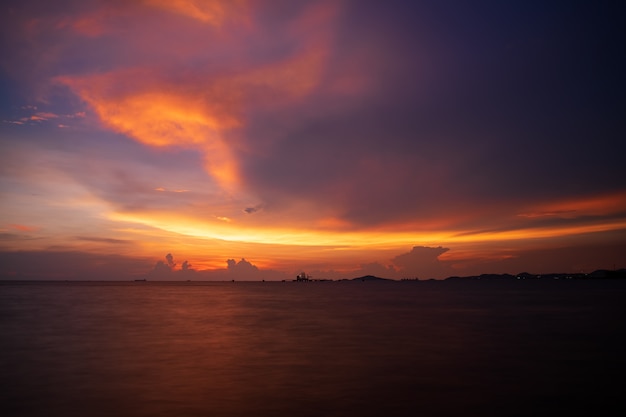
395, 138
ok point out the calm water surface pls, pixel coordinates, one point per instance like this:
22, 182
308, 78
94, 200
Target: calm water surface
522, 348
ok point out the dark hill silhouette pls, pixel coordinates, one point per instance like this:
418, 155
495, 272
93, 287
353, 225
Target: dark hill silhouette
598, 274
370, 278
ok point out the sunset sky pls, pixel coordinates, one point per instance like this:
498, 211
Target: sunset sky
257, 139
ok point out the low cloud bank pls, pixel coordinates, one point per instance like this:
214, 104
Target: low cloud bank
421, 262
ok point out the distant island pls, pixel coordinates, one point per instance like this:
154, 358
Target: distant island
370, 278
598, 274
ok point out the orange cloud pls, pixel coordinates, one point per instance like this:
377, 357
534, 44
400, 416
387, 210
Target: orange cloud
159, 115
213, 12
202, 110
107, 17
163, 189
23, 228
572, 208
45, 115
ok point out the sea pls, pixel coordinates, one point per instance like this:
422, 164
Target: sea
235, 349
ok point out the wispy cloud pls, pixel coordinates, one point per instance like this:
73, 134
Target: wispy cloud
213, 12
103, 240
338, 133
23, 228
165, 190
207, 108
31, 116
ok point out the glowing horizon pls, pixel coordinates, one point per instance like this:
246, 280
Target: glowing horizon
327, 136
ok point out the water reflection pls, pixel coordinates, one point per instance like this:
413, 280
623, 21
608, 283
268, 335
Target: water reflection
333, 349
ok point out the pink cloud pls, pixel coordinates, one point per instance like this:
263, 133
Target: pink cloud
205, 108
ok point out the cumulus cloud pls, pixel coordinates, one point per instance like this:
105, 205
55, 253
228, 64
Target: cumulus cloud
242, 268
167, 270
170, 260
186, 266
163, 269
342, 116
423, 262
160, 270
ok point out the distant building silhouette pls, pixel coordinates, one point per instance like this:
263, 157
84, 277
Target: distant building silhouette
302, 277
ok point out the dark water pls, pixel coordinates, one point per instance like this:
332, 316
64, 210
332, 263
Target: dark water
523, 348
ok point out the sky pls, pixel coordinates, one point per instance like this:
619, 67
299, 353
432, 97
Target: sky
190, 139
